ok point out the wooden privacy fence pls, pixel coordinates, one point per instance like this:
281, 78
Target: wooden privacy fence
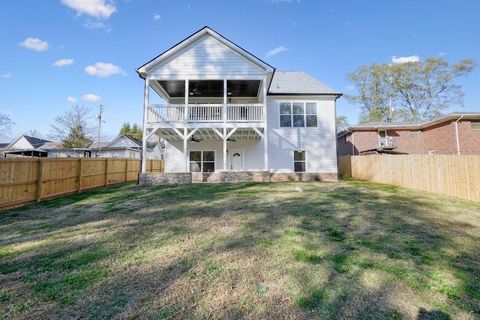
452, 175
24, 180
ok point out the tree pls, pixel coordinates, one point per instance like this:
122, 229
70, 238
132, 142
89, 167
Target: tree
73, 128
5, 123
33, 133
342, 123
132, 130
419, 90
374, 91
424, 89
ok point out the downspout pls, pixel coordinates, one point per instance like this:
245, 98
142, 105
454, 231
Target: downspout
456, 135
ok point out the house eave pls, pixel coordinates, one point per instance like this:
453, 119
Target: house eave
142, 71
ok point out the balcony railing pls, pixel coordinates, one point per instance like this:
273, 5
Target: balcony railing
205, 113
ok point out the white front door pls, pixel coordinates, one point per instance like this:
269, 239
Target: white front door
236, 159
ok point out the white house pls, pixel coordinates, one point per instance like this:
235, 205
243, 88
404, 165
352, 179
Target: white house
227, 110
26, 146
125, 146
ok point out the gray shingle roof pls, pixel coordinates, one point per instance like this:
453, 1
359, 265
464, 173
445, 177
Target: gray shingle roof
35, 142
297, 82
99, 144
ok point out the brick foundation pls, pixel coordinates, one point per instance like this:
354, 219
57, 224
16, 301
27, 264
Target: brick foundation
151, 179
234, 176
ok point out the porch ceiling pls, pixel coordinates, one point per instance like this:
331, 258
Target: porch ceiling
206, 134
210, 88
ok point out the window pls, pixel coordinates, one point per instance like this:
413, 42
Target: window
299, 161
475, 125
202, 161
415, 134
285, 114
298, 114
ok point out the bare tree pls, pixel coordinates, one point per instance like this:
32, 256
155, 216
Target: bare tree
74, 127
5, 123
34, 133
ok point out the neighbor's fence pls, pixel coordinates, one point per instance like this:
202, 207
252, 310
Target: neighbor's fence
453, 175
24, 180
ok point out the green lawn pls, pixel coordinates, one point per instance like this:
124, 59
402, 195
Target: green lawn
285, 250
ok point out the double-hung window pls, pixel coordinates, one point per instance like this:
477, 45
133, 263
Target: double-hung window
298, 114
299, 164
202, 161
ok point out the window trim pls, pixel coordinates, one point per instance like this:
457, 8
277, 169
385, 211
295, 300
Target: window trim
473, 124
305, 114
201, 160
305, 161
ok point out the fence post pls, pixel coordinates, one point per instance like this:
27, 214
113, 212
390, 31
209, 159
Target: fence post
126, 169
106, 172
80, 175
39, 180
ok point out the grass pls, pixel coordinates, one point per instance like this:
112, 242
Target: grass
345, 250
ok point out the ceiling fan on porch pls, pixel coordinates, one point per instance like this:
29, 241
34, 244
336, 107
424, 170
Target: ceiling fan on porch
195, 139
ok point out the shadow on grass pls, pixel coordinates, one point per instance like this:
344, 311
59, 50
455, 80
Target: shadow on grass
347, 250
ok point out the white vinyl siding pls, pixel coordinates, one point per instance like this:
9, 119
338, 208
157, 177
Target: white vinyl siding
209, 58
319, 143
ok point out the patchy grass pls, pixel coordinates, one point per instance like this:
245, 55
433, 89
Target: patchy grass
346, 250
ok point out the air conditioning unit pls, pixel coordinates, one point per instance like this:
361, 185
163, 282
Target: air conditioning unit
386, 142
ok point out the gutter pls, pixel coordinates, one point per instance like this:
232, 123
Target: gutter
456, 135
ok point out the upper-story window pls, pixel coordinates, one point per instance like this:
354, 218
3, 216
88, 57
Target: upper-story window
298, 114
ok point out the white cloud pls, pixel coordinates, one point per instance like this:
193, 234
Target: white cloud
6, 75
156, 17
71, 100
99, 9
91, 97
95, 24
63, 63
398, 60
34, 44
103, 69
276, 51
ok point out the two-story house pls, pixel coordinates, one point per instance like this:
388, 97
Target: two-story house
228, 111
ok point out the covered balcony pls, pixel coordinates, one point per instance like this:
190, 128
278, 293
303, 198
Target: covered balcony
213, 103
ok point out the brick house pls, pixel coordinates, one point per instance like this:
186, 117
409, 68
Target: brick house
455, 133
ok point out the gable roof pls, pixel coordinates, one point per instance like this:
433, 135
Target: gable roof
142, 70
298, 83
34, 141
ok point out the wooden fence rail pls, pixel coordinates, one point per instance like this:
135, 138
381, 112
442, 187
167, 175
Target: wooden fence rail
452, 175
24, 180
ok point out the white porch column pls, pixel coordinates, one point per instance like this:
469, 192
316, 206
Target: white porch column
185, 131
144, 131
185, 148
224, 124
265, 120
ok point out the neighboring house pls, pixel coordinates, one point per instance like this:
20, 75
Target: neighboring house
26, 146
455, 133
125, 146
57, 150
226, 109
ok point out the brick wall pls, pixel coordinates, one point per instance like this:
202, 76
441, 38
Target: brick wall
469, 138
438, 139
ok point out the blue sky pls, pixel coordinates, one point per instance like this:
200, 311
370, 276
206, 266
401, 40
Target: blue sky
98, 45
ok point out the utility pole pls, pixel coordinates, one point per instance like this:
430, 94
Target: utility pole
100, 121
390, 116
